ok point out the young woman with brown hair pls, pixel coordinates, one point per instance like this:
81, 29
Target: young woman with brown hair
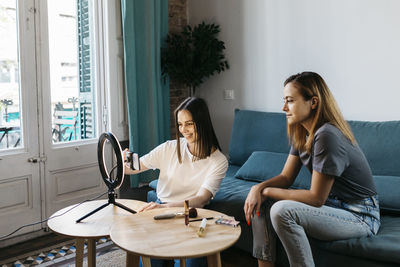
192, 166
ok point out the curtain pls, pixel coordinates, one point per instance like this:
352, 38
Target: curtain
145, 28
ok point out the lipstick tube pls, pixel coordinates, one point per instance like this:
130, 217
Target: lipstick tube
186, 204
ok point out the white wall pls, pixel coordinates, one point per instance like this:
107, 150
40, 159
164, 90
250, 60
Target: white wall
353, 44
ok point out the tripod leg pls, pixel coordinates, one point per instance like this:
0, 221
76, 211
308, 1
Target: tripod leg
92, 212
124, 207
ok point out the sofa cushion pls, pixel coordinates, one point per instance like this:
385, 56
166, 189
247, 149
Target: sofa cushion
382, 247
257, 131
380, 142
153, 184
388, 192
262, 165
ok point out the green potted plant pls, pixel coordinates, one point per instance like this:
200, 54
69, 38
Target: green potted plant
193, 55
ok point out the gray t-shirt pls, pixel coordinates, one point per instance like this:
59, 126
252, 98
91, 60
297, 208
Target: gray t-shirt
333, 154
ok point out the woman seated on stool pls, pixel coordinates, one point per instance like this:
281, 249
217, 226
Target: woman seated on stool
191, 167
341, 203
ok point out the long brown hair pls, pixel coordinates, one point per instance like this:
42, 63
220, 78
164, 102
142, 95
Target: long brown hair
310, 84
206, 138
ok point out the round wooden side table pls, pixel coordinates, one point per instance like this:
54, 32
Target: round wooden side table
142, 236
92, 228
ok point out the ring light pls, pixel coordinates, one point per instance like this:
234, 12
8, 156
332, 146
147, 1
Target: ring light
108, 180
112, 183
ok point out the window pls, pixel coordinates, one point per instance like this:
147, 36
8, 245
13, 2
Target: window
71, 65
10, 130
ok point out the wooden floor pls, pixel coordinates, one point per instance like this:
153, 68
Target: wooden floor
231, 257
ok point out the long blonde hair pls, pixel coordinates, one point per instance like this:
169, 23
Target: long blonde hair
309, 85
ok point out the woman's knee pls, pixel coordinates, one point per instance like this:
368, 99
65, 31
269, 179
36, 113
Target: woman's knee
283, 211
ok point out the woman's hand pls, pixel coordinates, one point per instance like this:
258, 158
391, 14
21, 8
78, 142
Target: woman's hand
152, 205
127, 170
253, 201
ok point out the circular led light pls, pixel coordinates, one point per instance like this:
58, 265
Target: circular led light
112, 183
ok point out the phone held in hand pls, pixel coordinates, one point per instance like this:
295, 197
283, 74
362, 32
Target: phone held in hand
132, 160
229, 222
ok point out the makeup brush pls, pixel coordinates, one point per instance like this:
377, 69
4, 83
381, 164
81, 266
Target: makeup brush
192, 214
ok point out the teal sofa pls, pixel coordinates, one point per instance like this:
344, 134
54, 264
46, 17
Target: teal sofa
258, 150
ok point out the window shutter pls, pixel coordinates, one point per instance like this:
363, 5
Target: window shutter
85, 71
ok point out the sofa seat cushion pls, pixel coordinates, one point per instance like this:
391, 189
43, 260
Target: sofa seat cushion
382, 247
388, 192
231, 196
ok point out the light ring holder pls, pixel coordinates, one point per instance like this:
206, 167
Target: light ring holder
112, 183
108, 180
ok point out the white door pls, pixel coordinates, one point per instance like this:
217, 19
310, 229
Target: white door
71, 98
20, 184
52, 109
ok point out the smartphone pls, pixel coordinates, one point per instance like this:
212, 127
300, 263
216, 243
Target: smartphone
132, 160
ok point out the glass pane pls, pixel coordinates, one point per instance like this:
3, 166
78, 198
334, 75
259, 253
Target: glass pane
71, 50
10, 119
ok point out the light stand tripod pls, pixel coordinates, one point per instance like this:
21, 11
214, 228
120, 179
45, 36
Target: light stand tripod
111, 183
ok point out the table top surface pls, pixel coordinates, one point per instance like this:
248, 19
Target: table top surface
171, 238
95, 226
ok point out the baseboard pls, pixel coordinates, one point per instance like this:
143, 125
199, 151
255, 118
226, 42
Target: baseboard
22, 238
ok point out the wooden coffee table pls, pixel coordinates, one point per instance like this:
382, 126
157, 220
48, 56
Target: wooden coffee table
141, 235
93, 227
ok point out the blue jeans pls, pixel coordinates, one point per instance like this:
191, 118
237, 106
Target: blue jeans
292, 221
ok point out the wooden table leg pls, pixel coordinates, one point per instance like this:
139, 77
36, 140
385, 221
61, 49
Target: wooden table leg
79, 252
146, 262
132, 260
182, 262
214, 260
91, 252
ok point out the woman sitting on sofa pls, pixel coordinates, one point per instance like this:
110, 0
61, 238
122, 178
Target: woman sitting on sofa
342, 201
191, 167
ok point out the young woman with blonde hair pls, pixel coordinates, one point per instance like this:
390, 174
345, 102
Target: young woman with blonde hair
342, 201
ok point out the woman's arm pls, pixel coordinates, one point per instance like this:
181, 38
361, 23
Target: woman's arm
283, 180
214, 171
198, 201
129, 171
321, 185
